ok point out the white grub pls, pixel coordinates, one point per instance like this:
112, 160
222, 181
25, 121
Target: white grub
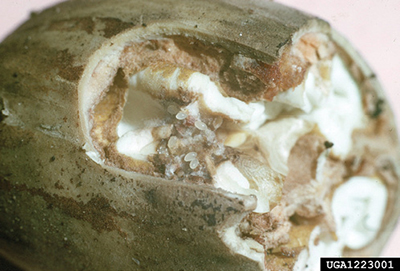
173, 109
200, 125
172, 142
217, 122
190, 156
194, 163
181, 116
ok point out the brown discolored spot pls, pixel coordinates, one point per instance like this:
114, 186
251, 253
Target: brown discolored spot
58, 185
278, 262
287, 73
114, 26
261, 223
97, 212
302, 161
65, 63
268, 229
250, 79
316, 241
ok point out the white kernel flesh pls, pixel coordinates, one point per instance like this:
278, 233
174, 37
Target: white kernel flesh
190, 156
194, 163
200, 125
367, 198
181, 116
132, 143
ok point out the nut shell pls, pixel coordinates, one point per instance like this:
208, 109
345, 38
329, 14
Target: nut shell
60, 210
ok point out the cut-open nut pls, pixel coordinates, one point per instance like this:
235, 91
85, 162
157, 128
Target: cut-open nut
214, 117
193, 135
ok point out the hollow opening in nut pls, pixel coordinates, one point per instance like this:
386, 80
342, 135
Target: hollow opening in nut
171, 112
176, 134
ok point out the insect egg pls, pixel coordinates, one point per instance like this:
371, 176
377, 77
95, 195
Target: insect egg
200, 125
194, 163
181, 116
190, 156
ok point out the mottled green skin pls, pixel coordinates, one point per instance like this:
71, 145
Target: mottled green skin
59, 210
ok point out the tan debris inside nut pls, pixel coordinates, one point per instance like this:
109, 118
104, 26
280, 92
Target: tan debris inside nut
186, 110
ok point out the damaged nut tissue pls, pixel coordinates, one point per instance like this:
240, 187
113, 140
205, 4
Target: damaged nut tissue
190, 135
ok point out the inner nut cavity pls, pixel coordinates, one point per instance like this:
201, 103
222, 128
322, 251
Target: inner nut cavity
184, 110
